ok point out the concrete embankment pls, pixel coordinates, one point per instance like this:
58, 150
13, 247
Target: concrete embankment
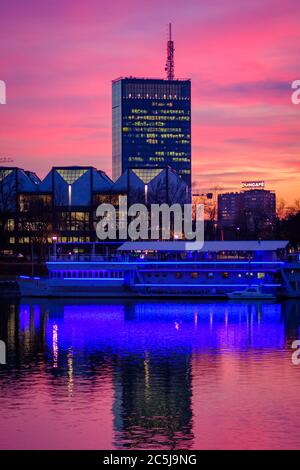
10, 270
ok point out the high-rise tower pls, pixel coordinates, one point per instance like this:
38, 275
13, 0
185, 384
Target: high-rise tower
151, 123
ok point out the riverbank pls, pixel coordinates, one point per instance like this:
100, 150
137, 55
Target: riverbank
10, 270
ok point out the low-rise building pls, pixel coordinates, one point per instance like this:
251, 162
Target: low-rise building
63, 205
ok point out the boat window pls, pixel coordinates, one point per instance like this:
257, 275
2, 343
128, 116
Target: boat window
261, 275
149, 274
210, 275
178, 275
194, 275
239, 275
225, 275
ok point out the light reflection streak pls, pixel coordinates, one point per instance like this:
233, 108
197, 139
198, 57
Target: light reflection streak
55, 345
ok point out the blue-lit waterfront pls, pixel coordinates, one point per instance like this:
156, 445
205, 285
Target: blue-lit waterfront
136, 374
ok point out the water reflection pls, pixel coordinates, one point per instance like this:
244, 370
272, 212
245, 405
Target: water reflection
143, 374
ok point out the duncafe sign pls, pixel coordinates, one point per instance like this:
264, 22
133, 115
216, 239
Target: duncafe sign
253, 184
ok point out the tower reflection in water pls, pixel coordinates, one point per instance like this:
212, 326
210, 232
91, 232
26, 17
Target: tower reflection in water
148, 351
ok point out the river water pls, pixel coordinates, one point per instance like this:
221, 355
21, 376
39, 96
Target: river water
149, 375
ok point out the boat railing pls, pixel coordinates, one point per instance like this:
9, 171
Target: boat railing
121, 257
75, 257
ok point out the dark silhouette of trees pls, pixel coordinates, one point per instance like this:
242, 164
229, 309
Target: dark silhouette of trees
289, 229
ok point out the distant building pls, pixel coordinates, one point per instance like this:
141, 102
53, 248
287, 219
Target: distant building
151, 126
251, 210
229, 208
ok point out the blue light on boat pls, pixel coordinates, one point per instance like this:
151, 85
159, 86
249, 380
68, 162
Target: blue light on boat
181, 262
206, 285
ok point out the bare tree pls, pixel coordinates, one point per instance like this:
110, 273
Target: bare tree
294, 208
281, 208
36, 223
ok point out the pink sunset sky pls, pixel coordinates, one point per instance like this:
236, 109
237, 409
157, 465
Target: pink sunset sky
58, 59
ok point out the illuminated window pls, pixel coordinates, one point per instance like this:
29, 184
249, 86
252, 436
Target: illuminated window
4, 174
261, 275
225, 275
10, 225
194, 275
147, 175
71, 175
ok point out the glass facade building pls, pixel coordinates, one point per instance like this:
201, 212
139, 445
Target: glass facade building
151, 125
64, 204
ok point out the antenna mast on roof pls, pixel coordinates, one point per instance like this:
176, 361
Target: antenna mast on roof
170, 56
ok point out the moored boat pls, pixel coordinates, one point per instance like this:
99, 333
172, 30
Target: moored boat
251, 292
160, 269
